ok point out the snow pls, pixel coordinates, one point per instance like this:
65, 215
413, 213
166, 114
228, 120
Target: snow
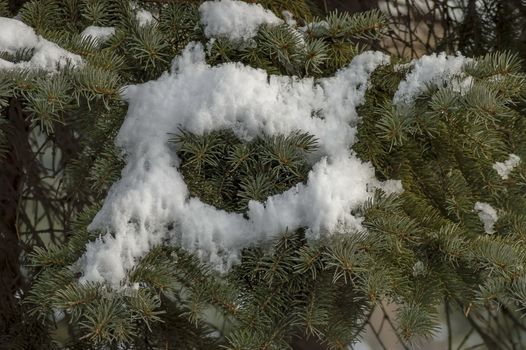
505, 168
100, 33
144, 17
196, 97
429, 70
6, 64
15, 35
289, 18
488, 216
235, 20
391, 186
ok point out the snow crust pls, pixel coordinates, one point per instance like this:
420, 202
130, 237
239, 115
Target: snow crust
100, 33
505, 168
16, 35
429, 70
199, 98
235, 20
488, 216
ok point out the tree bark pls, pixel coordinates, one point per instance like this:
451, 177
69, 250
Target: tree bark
11, 186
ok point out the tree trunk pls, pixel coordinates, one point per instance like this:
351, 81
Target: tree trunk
11, 186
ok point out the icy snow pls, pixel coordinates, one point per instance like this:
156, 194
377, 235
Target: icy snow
235, 20
488, 216
15, 35
430, 70
199, 98
505, 168
100, 33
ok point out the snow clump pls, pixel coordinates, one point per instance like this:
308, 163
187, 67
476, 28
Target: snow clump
235, 20
16, 35
144, 17
429, 70
99, 33
152, 195
151, 205
488, 216
505, 168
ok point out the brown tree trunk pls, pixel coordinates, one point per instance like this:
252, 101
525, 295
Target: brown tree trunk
11, 186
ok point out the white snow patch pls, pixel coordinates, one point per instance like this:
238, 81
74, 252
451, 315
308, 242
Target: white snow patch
289, 18
6, 64
488, 216
392, 186
199, 98
16, 35
100, 33
144, 17
431, 70
234, 19
505, 168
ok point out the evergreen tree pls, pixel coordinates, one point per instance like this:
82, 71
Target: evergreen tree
454, 235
